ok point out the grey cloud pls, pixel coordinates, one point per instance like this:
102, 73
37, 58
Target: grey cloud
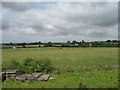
100, 14
16, 6
99, 34
37, 27
5, 25
63, 21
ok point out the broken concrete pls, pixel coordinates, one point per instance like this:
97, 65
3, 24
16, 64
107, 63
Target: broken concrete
44, 77
14, 72
30, 77
21, 77
37, 75
34, 76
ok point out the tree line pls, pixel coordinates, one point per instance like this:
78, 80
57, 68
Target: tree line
74, 43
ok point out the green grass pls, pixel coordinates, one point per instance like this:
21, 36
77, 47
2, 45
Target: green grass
70, 62
97, 79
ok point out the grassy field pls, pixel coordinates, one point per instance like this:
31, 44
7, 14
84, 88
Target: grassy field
71, 63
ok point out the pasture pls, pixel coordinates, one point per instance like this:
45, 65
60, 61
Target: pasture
78, 67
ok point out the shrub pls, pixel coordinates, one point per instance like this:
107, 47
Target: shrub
31, 65
11, 65
43, 65
47, 66
27, 65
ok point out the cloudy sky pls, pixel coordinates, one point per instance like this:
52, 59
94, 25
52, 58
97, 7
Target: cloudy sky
43, 21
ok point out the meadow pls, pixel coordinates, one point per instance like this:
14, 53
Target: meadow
77, 67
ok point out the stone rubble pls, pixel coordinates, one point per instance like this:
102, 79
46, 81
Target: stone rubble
22, 78
14, 73
36, 75
20, 75
44, 77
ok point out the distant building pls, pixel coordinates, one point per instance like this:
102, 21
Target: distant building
90, 44
76, 44
14, 47
41, 45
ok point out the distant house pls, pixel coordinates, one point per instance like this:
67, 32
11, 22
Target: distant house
90, 44
14, 47
41, 45
57, 45
76, 44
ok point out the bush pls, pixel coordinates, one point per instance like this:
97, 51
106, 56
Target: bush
30, 65
44, 65
13, 64
27, 64
47, 66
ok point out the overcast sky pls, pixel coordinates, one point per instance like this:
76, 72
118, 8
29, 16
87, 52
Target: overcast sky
29, 22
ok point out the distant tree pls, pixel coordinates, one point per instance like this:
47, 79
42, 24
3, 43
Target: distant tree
36, 43
74, 42
83, 41
115, 41
108, 40
23, 45
11, 43
49, 44
39, 42
68, 43
83, 44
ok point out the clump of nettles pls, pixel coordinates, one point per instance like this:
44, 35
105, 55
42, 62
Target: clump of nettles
30, 65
